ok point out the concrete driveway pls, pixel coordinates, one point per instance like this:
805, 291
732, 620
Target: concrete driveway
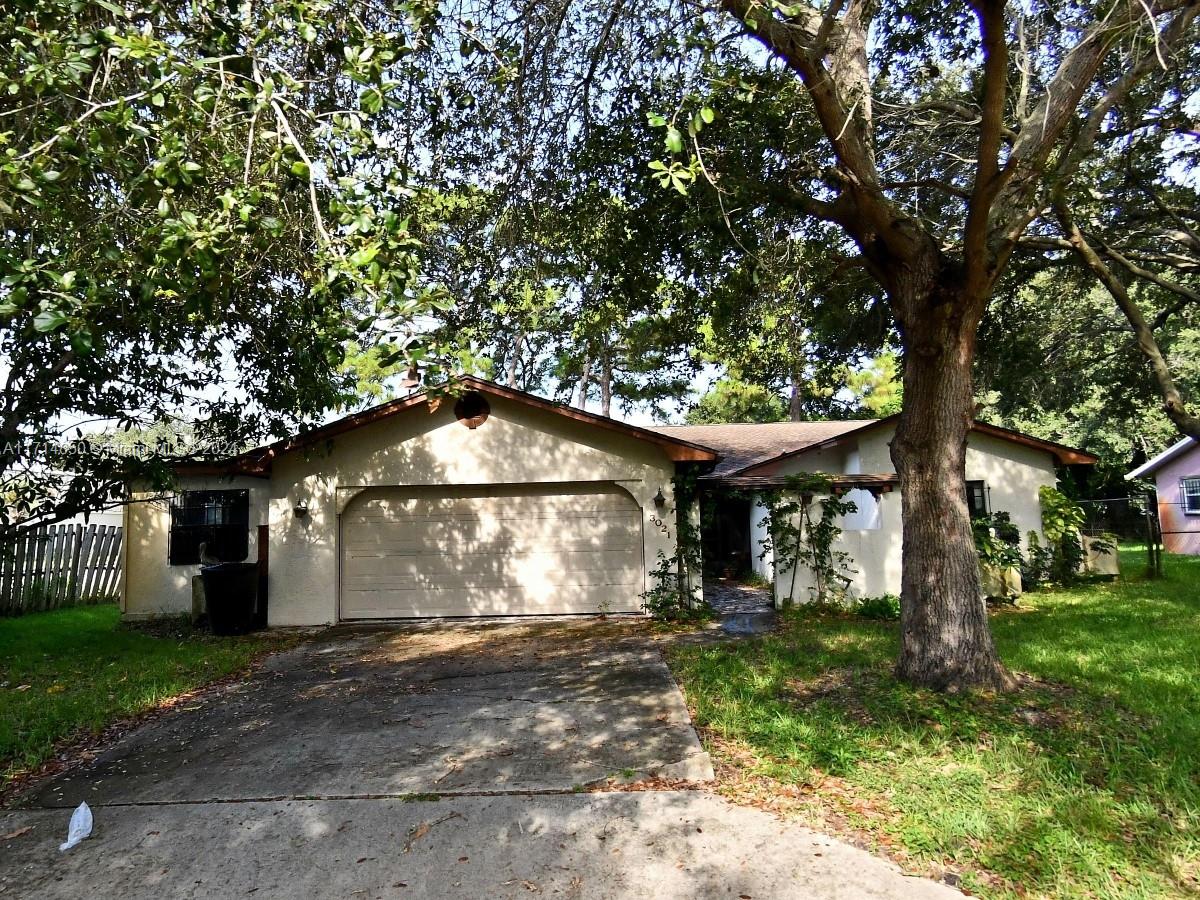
448, 761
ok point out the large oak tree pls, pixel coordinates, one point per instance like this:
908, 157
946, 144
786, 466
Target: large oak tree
989, 107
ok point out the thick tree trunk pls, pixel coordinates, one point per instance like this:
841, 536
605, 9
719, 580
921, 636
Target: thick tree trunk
585, 379
946, 643
514, 360
606, 375
796, 400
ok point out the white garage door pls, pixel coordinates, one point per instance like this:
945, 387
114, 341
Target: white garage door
491, 551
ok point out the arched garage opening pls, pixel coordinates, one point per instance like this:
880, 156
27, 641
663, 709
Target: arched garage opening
490, 550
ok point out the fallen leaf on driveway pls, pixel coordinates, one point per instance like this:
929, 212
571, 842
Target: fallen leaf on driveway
417, 833
17, 833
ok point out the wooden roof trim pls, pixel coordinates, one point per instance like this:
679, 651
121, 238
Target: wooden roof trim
676, 449
258, 461
885, 482
231, 468
1065, 455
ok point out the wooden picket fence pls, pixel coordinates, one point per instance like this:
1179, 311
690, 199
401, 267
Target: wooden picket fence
59, 565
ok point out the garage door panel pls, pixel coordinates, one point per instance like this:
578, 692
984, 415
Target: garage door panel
560, 549
485, 602
532, 565
414, 529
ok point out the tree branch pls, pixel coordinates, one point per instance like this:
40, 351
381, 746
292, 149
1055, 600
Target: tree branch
1173, 403
792, 41
987, 165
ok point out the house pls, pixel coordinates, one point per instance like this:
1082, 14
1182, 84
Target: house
1176, 475
492, 501
1004, 471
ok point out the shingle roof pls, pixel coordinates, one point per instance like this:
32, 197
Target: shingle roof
743, 444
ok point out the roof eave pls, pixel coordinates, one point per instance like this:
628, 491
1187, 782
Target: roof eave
258, 462
1153, 465
885, 482
1066, 456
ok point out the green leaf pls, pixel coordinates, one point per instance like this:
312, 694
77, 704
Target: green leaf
308, 32
372, 101
189, 218
707, 114
51, 175
674, 140
300, 169
81, 341
49, 320
112, 8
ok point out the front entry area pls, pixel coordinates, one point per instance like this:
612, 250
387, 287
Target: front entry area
499, 550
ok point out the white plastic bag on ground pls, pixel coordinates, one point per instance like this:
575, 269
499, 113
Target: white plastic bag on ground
80, 827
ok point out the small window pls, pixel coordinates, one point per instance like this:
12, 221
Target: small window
1189, 495
977, 499
218, 519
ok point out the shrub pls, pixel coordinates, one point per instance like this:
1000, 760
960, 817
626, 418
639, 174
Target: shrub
997, 540
668, 599
885, 607
1062, 518
1038, 564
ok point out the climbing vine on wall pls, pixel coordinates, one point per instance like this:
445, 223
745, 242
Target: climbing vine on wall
671, 596
800, 536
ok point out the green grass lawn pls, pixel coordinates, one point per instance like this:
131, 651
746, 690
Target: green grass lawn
67, 672
1083, 782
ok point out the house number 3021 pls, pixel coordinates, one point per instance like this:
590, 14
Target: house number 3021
661, 525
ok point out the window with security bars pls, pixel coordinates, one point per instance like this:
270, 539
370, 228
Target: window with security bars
220, 520
1189, 495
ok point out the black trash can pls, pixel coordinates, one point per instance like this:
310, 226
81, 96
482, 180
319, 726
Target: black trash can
231, 596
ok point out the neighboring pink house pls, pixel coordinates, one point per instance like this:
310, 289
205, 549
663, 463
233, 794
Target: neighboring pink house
1176, 474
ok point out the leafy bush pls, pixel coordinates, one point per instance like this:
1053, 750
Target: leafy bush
1038, 563
885, 607
1062, 518
756, 580
997, 540
668, 599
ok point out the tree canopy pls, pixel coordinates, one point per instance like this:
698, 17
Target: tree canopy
600, 197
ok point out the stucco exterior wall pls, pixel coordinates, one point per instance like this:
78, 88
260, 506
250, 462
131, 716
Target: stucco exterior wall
872, 536
516, 445
151, 587
1013, 473
1181, 532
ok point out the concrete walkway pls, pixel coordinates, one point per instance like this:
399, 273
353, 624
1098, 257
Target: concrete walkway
437, 762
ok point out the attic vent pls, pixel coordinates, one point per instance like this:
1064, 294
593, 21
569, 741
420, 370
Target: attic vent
472, 409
